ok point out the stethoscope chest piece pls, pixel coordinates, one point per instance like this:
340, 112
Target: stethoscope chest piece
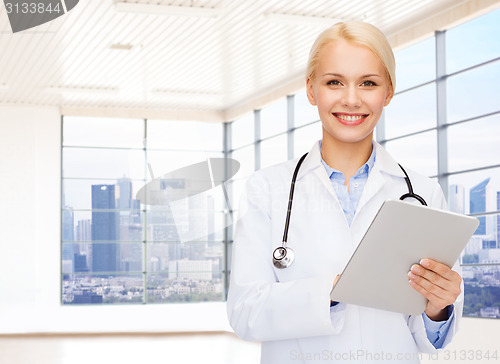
283, 257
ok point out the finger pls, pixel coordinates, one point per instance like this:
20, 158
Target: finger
431, 297
439, 268
429, 286
418, 272
448, 294
336, 279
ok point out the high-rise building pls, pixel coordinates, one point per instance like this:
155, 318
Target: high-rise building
68, 236
105, 225
478, 197
84, 230
456, 198
498, 220
125, 193
190, 269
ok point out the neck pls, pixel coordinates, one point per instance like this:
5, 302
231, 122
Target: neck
346, 157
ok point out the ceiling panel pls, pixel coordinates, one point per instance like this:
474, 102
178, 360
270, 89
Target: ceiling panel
98, 57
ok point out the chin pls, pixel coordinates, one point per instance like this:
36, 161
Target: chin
348, 136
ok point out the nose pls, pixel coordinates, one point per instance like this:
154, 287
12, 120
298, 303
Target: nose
351, 98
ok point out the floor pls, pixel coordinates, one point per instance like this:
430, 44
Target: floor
213, 348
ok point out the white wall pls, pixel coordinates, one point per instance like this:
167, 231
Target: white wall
30, 181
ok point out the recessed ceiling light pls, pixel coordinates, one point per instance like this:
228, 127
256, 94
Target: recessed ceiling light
166, 10
291, 19
121, 47
83, 90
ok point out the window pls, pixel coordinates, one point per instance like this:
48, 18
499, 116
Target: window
471, 120
116, 246
411, 111
273, 119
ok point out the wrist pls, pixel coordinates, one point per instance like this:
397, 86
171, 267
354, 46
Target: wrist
438, 315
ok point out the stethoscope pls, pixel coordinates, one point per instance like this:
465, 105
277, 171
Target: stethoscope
283, 256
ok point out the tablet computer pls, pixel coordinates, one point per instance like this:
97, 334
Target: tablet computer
400, 235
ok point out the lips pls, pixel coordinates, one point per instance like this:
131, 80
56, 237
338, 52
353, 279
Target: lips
350, 119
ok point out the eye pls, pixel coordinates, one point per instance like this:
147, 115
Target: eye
334, 83
368, 83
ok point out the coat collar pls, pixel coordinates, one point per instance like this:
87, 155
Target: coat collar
383, 162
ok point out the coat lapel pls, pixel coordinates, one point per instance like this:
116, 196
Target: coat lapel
384, 167
312, 163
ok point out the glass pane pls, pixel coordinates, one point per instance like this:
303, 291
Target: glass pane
305, 137
186, 282
415, 64
243, 131
304, 111
162, 257
237, 187
273, 151
474, 144
246, 157
101, 257
77, 193
96, 289
273, 119
417, 152
186, 221
162, 162
103, 163
476, 192
473, 93
481, 289
229, 258
484, 246
473, 42
411, 111
77, 225
97, 225
184, 135
103, 132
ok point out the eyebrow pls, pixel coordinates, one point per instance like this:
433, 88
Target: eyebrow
339, 75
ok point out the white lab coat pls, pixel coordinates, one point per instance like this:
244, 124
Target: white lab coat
288, 309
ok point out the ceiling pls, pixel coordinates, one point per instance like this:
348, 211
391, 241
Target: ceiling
190, 59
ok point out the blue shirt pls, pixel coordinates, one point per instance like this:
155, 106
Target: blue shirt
349, 199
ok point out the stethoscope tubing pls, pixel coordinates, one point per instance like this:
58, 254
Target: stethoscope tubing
283, 256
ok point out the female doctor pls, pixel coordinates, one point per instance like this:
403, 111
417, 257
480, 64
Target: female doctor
339, 188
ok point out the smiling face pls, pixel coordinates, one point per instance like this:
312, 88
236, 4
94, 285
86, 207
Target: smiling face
350, 87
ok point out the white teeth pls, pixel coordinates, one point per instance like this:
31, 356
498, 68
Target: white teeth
350, 117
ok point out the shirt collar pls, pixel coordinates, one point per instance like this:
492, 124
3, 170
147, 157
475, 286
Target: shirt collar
365, 168
384, 161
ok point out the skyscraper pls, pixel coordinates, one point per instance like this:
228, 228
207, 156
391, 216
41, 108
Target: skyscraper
456, 198
68, 236
498, 219
125, 193
478, 204
105, 224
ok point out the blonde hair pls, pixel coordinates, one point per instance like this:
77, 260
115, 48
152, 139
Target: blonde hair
358, 33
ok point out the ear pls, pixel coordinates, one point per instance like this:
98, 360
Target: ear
390, 94
310, 92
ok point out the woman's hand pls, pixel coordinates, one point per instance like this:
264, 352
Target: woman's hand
438, 283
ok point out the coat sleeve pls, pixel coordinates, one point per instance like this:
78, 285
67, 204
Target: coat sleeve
259, 306
416, 323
